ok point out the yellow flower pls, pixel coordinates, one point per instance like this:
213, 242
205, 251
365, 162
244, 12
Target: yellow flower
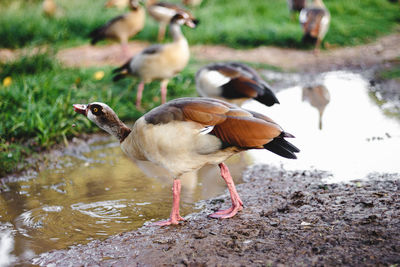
98, 75
7, 81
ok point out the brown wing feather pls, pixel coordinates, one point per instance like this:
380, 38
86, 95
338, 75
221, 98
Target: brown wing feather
233, 125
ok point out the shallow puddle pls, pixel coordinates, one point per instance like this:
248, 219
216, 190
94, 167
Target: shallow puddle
91, 196
101, 192
357, 137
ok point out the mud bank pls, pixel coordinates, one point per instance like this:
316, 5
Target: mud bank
290, 218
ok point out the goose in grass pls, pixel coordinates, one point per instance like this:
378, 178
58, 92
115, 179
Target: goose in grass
122, 28
315, 20
162, 12
159, 62
186, 134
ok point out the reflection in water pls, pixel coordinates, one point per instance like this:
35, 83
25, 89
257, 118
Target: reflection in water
318, 96
357, 137
90, 196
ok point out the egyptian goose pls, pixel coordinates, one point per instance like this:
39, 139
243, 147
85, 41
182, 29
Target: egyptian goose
295, 6
122, 28
49, 8
162, 12
315, 22
186, 134
318, 96
159, 62
121, 4
234, 82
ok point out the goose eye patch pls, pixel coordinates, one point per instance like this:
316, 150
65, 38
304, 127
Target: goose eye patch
96, 110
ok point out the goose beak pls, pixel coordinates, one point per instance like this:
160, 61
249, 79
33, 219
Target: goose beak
191, 23
80, 108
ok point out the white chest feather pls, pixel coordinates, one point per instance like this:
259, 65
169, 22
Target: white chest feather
209, 82
177, 146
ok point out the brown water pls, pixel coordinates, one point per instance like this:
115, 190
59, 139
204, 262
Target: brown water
99, 193
91, 196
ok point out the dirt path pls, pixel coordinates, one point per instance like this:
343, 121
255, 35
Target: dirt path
300, 222
382, 50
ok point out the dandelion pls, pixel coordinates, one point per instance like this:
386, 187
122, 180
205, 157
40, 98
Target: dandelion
98, 75
7, 81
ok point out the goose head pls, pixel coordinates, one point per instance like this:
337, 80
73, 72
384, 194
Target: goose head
184, 19
104, 117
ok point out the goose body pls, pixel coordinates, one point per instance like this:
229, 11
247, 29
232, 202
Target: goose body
315, 22
233, 82
121, 28
159, 62
163, 12
185, 134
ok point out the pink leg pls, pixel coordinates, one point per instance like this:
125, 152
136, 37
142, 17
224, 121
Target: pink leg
125, 55
139, 96
174, 217
237, 203
161, 31
164, 84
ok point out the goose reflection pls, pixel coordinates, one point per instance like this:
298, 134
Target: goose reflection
318, 96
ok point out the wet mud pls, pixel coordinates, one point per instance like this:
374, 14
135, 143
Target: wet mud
290, 217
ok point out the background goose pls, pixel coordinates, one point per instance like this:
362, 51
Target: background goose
185, 134
315, 22
234, 82
122, 28
162, 12
159, 62
295, 6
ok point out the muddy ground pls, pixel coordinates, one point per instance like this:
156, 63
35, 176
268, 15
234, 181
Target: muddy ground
290, 217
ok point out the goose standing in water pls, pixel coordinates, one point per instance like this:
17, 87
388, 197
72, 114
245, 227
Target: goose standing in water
185, 134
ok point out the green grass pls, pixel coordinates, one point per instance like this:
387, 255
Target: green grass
235, 23
36, 109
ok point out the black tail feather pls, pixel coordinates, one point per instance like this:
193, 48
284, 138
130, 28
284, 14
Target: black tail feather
119, 77
268, 98
282, 147
96, 35
123, 67
121, 72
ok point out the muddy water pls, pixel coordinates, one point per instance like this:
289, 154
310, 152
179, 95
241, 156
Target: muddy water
356, 138
90, 196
